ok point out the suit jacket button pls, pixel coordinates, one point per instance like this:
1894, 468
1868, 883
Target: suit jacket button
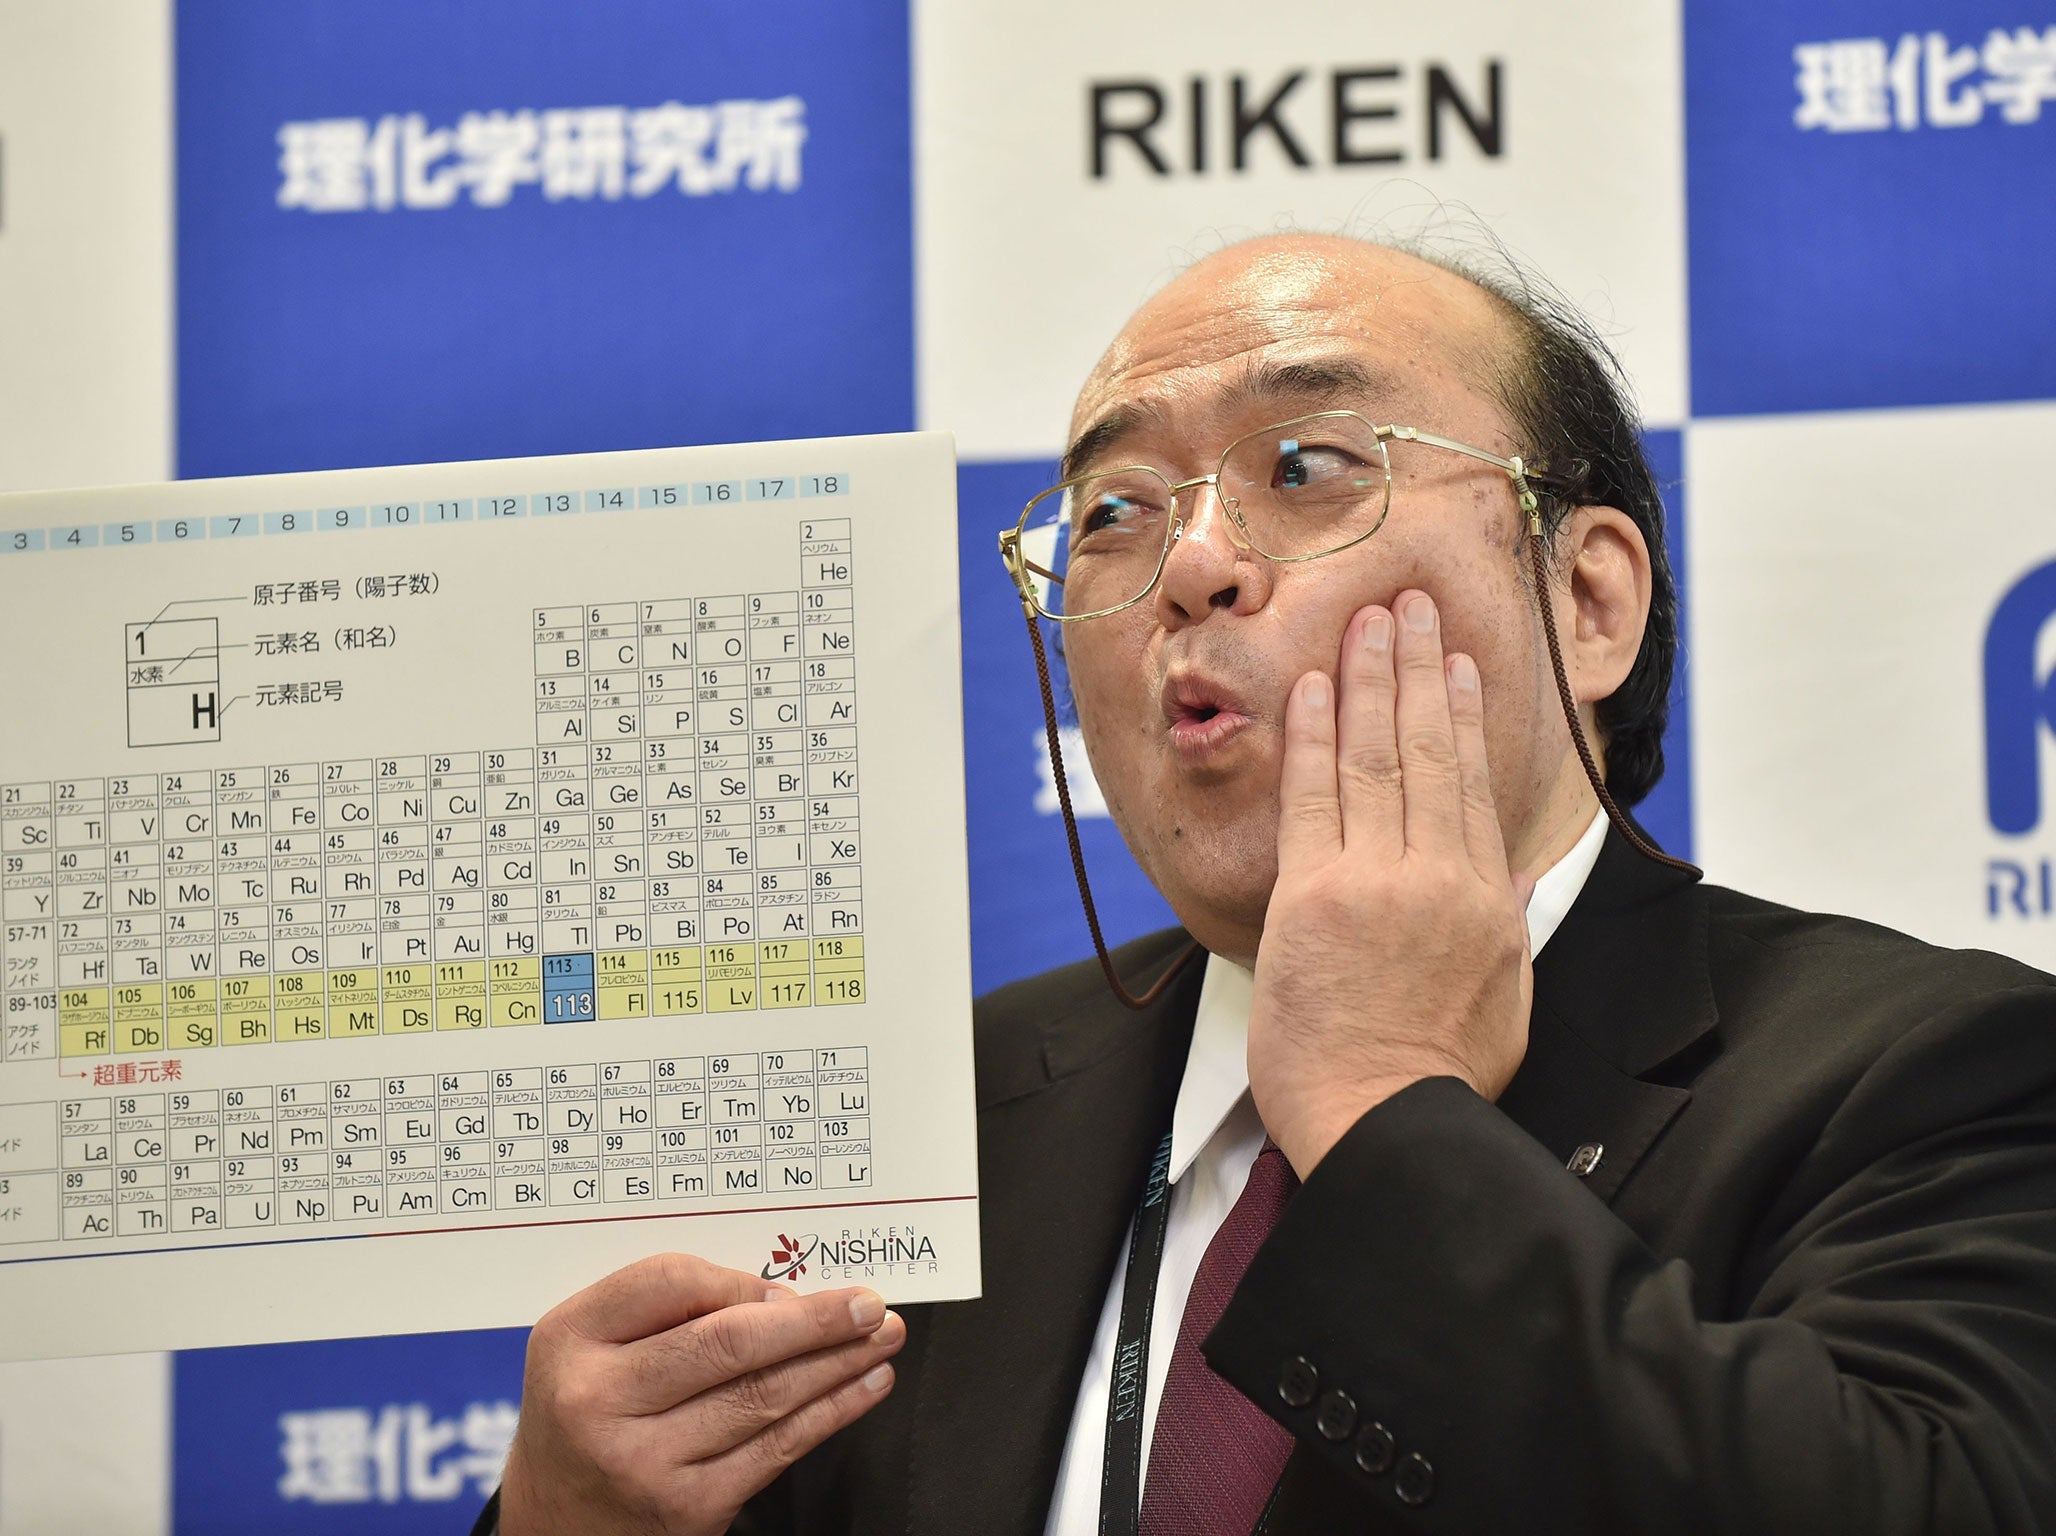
1336, 1415
1415, 1480
1298, 1381
1375, 1450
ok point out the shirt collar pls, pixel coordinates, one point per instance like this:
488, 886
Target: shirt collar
1217, 1061
1558, 886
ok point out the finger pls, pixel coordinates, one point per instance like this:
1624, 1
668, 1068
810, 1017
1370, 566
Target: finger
663, 1371
1373, 804
751, 1466
720, 1419
1309, 819
1427, 742
1481, 834
655, 1294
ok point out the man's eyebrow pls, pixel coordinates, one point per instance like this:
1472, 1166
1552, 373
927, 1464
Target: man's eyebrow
1097, 439
1341, 382
1336, 381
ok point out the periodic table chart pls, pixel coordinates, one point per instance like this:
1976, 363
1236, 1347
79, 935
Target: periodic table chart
540, 863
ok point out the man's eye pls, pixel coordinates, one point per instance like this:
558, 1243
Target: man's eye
1307, 466
1107, 511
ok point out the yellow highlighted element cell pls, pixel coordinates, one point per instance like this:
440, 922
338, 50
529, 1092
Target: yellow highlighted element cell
460, 994
246, 1010
517, 991
731, 977
353, 1003
299, 1006
406, 999
139, 1016
623, 978
192, 1017
783, 963
83, 1027
839, 970
675, 981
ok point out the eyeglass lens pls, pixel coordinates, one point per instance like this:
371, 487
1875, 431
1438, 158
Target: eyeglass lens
1297, 489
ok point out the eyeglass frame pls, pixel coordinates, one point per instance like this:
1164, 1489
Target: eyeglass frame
1019, 566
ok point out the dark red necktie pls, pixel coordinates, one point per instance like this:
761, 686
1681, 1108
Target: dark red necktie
1215, 1455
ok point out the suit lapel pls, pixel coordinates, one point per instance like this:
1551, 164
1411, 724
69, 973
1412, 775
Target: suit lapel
1621, 989
1066, 1128
1582, 1107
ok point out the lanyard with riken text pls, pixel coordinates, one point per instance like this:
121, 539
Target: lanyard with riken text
1120, 1486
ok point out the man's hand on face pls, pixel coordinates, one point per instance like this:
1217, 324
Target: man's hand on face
1395, 946
661, 1398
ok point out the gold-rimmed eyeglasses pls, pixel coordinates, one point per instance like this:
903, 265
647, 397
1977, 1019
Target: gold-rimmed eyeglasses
1312, 486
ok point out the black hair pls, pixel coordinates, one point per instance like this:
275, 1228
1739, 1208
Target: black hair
1573, 420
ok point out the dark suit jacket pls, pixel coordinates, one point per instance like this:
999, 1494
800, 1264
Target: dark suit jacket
1809, 1287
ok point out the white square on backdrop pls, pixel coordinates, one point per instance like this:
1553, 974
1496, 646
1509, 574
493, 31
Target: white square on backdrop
1845, 573
1027, 263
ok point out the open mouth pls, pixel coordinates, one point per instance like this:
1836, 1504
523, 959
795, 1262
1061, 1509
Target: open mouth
1201, 718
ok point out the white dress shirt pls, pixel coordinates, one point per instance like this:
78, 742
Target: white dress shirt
1215, 1137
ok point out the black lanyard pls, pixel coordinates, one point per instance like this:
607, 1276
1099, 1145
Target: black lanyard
1120, 1485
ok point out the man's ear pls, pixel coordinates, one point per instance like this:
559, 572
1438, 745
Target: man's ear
1608, 564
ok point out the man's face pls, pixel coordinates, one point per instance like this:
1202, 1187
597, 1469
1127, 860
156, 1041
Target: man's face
1182, 697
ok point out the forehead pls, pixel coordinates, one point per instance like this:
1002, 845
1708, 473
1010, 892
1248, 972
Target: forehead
1288, 320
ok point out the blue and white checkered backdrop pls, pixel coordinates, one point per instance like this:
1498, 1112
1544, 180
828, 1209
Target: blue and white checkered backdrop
252, 235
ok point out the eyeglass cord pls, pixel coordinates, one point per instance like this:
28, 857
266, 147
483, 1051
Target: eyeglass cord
1614, 813
1056, 763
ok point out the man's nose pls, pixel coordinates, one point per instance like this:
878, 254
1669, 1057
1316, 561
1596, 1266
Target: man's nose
1210, 564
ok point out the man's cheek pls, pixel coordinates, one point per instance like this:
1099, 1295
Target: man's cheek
1113, 753
1095, 683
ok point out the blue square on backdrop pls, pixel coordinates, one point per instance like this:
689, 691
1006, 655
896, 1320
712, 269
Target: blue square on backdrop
415, 232
1871, 205
1025, 914
398, 1435
1666, 814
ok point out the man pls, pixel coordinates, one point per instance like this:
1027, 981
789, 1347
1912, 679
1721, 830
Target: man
1716, 1217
